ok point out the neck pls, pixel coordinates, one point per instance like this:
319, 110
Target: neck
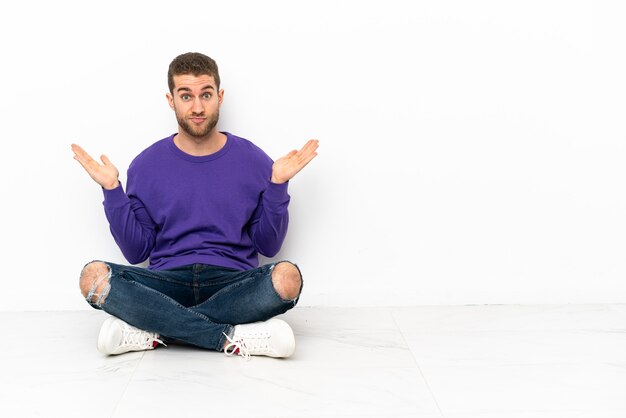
200, 146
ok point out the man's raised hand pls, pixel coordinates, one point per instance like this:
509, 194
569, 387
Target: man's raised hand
285, 168
105, 174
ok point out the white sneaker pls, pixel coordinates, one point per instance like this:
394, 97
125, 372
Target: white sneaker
117, 337
272, 338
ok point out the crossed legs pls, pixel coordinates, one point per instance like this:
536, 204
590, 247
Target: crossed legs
134, 295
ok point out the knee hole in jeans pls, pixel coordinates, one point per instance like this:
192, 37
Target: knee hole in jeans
94, 282
287, 280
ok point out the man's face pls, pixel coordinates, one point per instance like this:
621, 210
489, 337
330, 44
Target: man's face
196, 102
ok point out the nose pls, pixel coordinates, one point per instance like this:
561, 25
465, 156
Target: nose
197, 106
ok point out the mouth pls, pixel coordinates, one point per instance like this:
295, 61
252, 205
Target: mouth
197, 120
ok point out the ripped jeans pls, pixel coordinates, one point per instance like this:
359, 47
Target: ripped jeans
196, 304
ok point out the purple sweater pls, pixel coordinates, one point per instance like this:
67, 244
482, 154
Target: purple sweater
219, 209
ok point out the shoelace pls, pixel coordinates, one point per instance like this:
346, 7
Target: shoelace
247, 345
140, 339
236, 346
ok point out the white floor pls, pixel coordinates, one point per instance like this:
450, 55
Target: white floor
469, 361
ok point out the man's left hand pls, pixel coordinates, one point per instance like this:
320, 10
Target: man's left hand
285, 168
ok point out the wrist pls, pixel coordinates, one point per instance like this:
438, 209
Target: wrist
275, 180
112, 185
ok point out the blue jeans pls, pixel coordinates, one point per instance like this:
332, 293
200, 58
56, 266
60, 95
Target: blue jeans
195, 304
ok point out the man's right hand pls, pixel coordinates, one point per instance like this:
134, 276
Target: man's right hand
105, 174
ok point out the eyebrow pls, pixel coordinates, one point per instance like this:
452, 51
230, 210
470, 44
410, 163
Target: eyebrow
207, 87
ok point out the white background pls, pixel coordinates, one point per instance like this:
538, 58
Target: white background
470, 152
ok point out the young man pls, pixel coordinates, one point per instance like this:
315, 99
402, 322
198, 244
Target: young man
201, 205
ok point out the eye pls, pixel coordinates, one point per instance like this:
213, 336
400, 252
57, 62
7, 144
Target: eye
185, 97
206, 96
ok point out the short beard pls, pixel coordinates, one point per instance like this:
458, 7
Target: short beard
189, 129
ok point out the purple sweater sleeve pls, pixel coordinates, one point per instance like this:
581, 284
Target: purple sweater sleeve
268, 227
130, 224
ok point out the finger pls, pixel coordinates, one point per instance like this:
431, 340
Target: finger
81, 154
307, 145
291, 153
105, 160
302, 163
82, 161
304, 159
310, 146
307, 159
78, 150
312, 143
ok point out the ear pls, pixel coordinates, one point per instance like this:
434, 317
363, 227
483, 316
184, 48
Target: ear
220, 96
170, 100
